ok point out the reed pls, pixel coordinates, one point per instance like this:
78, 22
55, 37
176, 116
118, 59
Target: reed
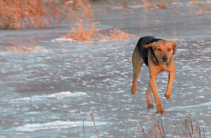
83, 31
15, 47
32, 14
188, 129
37, 14
86, 31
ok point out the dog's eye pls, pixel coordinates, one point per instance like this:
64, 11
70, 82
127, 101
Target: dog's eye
169, 49
159, 49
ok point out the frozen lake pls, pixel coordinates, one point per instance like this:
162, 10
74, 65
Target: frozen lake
48, 92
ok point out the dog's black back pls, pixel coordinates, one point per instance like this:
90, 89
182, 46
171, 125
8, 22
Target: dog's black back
144, 41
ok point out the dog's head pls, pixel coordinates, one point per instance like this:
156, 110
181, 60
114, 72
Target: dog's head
163, 50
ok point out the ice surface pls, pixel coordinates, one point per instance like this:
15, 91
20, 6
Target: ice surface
56, 125
59, 95
49, 92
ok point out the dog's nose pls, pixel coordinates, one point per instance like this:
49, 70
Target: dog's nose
164, 58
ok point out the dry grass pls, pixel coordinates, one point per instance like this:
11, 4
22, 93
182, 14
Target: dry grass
85, 31
94, 131
83, 8
37, 14
188, 129
196, 12
20, 14
155, 131
150, 4
174, 36
196, 3
161, 4
121, 6
117, 34
20, 48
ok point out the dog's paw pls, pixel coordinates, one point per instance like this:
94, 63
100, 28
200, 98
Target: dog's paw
133, 89
150, 106
160, 111
167, 96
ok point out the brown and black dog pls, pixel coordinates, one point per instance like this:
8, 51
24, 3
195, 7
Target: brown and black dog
157, 54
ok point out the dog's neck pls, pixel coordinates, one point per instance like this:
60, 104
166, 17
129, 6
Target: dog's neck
153, 58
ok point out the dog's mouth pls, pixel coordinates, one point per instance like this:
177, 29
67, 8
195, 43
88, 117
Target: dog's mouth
165, 61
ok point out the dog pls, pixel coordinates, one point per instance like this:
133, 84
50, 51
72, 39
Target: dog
157, 54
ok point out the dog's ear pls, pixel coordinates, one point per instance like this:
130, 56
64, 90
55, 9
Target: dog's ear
150, 45
174, 47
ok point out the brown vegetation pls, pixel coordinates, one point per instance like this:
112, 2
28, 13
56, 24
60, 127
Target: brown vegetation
37, 14
161, 4
150, 4
155, 131
14, 47
147, 4
196, 3
94, 131
81, 8
85, 31
117, 34
19, 14
188, 129
121, 6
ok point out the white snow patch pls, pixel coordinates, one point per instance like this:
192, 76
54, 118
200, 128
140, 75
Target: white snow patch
200, 97
181, 108
56, 125
64, 39
59, 95
182, 50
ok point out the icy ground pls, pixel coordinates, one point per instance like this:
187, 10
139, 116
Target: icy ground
48, 92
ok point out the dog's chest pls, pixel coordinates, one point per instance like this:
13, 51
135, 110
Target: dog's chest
164, 67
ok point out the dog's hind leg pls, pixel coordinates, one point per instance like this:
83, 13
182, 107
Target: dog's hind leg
137, 62
148, 93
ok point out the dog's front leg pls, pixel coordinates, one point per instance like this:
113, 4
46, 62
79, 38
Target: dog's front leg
170, 83
152, 80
